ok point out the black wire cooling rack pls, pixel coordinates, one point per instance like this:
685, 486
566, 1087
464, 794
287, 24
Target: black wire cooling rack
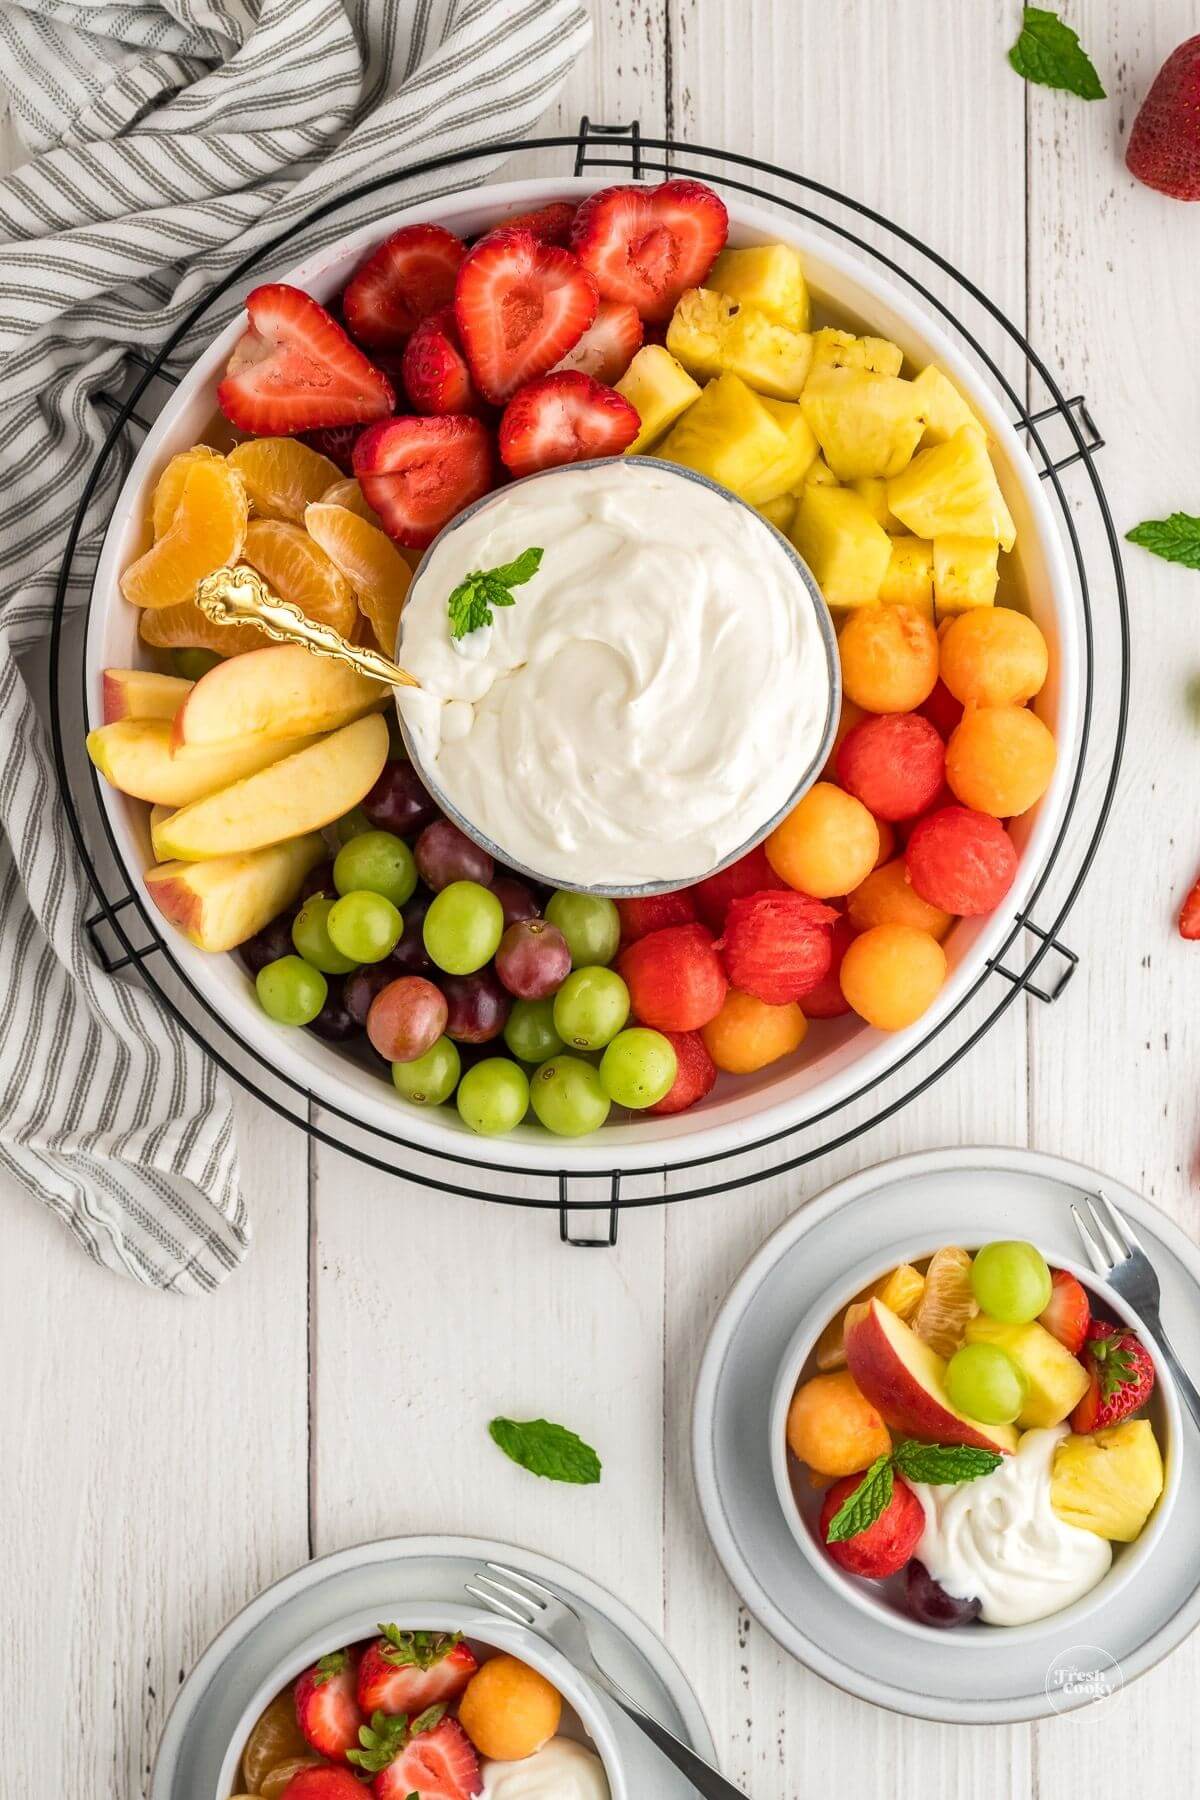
1063, 440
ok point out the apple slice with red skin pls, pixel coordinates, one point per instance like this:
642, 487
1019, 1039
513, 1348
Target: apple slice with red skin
220, 903
135, 755
141, 694
281, 691
905, 1382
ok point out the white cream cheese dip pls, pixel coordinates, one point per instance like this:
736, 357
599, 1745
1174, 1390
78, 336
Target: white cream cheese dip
561, 1770
651, 699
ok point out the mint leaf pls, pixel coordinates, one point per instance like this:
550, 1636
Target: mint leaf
516, 574
861, 1508
547, 1450
937, 1464
1050, 54
470, 605
1176, 538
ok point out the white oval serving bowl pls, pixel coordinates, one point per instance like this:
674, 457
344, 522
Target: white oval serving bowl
877, 1601
589, 1723
845, 1055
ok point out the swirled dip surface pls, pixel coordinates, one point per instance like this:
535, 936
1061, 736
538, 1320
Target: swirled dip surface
651, 699
562, 1770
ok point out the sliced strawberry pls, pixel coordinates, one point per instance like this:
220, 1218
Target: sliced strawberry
410, 275
549, 224
609, 344
337, 443
1189, 914
1068, 1315
433, 1758
326, 1709
520, 306
646, 245
564, 418
437, 378
1121, 1376
417, 473
326, 1783
406, 1671
295, 369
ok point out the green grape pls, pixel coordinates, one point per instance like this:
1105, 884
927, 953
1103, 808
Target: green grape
353, 824
590, 923
463, 927
984, 1382
310, 934
529, 1032
1011, 1281
567, 1096
429, 1079
364, 926
290, 990
378, 861
493, 1096
590, 1008
638, 1068
192, 664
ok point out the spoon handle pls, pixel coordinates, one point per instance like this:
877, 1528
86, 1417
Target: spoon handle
240, 596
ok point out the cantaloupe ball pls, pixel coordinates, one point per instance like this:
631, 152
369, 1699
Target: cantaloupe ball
747, 1034
827, 844
887, 897
993, 656
1000, 760
891, 974
833, 1428
508, 1710
889, 657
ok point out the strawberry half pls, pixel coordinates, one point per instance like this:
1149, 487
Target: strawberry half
1121, 1376
520, 306
646, 245
326, 1708
1189, 914
295, 369
417, 473
407, 1671
410, 275
436, 376
550, 224
432, 1757
564, 418
328, 1783
1068, 1315
337, 443
1164, 145
609, 344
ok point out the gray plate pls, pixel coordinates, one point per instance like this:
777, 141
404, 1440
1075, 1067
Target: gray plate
950, 1195
394, 1570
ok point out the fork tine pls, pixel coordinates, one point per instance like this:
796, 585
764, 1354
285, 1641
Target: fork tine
1095, 1254
1120, 1225
532, 1607
491, 1604
1117, 1249
524, 1581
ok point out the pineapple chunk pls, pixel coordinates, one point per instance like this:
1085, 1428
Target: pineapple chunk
865, 424
1057, 1381
873, 489
728, 435
770, 277
659, 389
779, 512
842, 350
964, 573
1110, 1481
900, 1290
847, 550
785, 475
951, 490
909, 578
713, 335
820, 475
942, 406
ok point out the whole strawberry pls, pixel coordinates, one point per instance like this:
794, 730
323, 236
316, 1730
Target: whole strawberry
1164, 145
1121, 1376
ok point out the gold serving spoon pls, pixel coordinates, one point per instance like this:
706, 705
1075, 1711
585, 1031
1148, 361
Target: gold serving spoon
240, 596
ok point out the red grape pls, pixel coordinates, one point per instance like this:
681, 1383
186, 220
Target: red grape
317, 881
399, 801
269, 944
928, 1601
445, 854
478, 1007
335, 1022
406, 1019
410, 957
533, 959
517, 900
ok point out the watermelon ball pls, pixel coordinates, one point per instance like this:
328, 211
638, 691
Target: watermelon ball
887, 1544
643, 913
826, 1000
675, 978
777, 946
961, 861
941, 709
695, 1073
894, 763
750, 874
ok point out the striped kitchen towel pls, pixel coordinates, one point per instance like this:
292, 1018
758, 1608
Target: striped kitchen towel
166, 138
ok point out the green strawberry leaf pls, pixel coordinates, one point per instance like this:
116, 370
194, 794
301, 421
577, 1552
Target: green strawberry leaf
382, 1741
1050, 54
1116, 1366
937, 1464
433, 1715
470, 605
862, 1507
417, 1649
547, 1450
1176, 538
329, 1666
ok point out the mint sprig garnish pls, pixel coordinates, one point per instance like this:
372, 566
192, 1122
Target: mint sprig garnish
1176, 538
1050, 54
548, 1450
934, 1464
470, 605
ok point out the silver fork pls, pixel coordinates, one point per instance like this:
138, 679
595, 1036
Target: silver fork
526, 1601
1114, 1251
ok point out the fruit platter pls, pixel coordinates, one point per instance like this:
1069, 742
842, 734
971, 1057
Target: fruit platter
976, 1440
332, 440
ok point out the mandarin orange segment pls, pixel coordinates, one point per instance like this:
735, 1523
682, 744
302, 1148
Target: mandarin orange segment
185, 627
900, 1290
297, 569
169, 489
370, 562
282, 475
206, 532
276, 1738
346, 492
948, 1301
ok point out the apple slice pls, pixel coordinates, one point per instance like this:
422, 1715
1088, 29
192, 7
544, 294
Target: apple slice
905, 1382
301, 793
135, 755
141, 694
279, 692
223, 902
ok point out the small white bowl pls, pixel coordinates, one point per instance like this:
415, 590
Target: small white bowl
879, 1601
591, 1723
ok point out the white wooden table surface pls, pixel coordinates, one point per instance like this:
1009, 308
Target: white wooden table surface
163, 1460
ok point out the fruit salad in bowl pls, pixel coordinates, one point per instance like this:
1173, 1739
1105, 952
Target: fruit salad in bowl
424, 1712
974, 1440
